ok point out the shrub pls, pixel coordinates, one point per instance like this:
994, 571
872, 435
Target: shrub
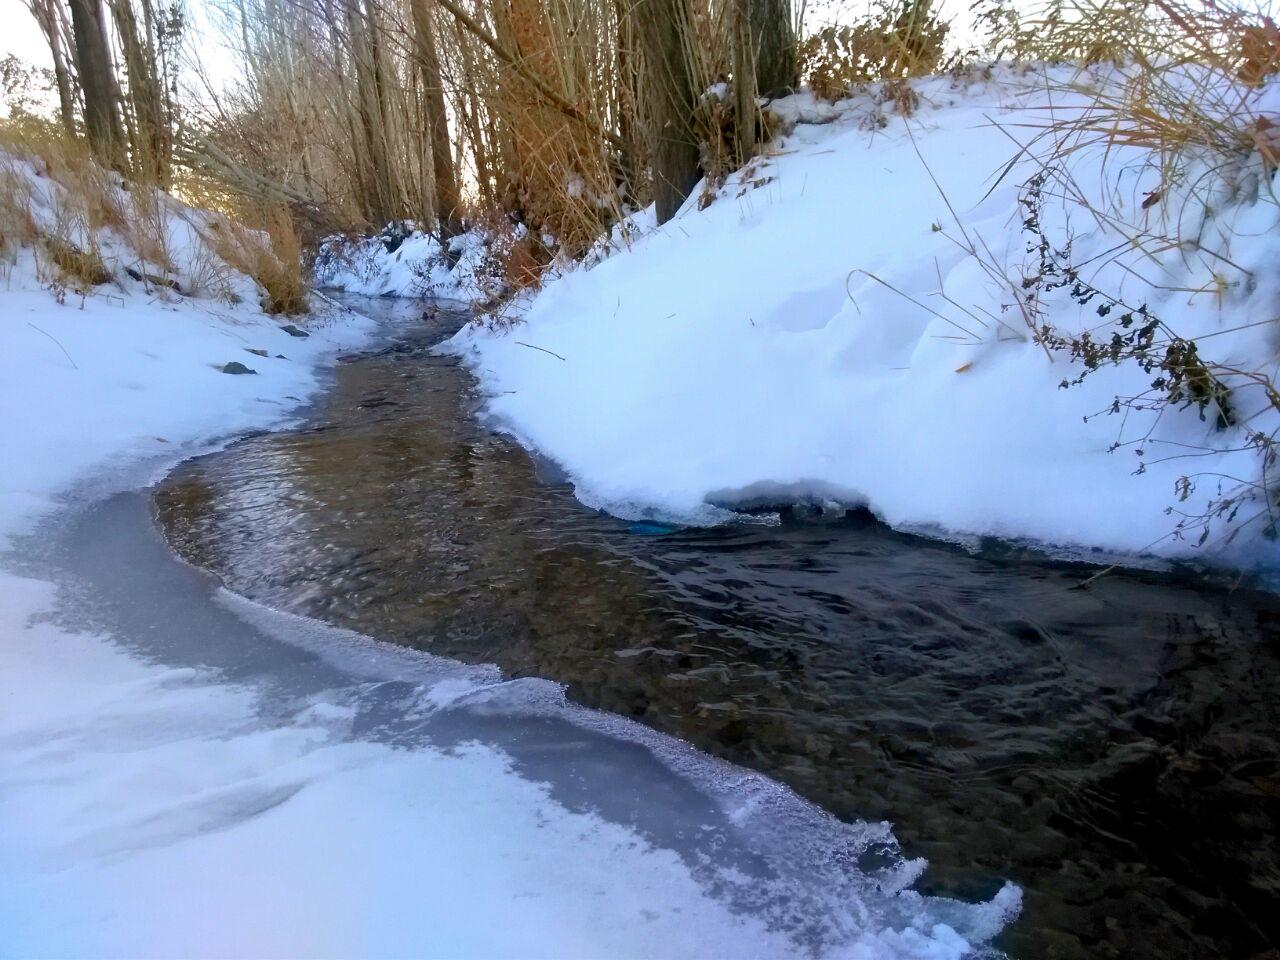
82, 268
900, 40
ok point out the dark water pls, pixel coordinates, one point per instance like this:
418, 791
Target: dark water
1115, 750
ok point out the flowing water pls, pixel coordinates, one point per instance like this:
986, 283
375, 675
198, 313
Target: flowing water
1115, 750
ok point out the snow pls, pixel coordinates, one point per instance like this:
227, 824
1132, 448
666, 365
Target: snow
133, 371
406, 262
820, 332
185, 773
148, 813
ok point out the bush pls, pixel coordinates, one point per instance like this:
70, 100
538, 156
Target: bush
272, 257
896, 42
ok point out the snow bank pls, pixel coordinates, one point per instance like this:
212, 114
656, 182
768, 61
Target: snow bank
149, 812
823, 330
405, 262
133, 370
155, 810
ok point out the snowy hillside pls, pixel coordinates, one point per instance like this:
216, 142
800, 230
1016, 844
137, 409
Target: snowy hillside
844, 321
131, 368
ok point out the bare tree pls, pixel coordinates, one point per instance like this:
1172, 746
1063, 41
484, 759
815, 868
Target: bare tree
448, 203
97, 82
665, 37
148, 121
52, 18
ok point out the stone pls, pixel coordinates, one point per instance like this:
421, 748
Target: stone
151, 278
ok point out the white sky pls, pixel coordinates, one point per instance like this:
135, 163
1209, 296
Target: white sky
19, 34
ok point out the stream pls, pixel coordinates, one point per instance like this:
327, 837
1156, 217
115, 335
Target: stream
1113, 750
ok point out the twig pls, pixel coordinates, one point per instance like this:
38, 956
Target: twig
543, 349
55, 340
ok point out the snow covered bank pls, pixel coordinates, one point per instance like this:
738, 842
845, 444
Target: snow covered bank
131, 369
149, 811
404, 262
844, 322
185, 774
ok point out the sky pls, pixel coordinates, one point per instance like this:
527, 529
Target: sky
20, 35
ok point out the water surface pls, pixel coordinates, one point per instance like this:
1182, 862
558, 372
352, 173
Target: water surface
1113, 749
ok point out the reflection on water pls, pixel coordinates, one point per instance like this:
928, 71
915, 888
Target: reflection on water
1113, 749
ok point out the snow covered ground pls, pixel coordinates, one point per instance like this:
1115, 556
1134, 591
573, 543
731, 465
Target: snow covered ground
404, 262
183, 773
823, 330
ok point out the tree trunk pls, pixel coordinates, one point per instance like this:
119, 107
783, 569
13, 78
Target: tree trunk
664, 30
632, 152
47, 16
448, 205
380, 206
149, 129
93, 65
470, 104
744, 80
774, 40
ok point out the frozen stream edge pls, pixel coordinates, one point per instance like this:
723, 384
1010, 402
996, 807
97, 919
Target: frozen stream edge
184, 772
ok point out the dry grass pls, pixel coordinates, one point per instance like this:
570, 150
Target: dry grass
895, 42
1184, 78
147, 229
272, 256
546, 108
207, 274
1166, 91
80, 268
66, 220
81, 220
17, 224
90, 190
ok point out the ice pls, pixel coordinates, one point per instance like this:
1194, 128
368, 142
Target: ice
226, 780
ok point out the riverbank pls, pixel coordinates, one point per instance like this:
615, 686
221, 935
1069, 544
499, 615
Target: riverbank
870, 315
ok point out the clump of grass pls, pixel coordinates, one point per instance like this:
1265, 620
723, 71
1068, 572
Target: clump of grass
82, 201
84, 222
147, 228
1185, 77
69, 237
93, 191
271, 256
82, 268
207, 274
1166, 91
17, 224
